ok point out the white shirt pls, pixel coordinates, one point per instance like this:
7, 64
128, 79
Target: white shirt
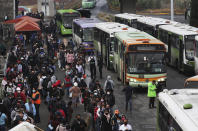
80, 69
124, 127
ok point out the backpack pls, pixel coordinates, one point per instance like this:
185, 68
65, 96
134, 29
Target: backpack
109, 85
45, 82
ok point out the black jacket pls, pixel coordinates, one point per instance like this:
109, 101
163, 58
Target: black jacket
78, 125
128, 92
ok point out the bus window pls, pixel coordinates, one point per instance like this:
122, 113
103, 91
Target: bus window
96, 34
165, 121
196, 48
189, 48
143, 62
88, 34
174, 41
116, 45
112, 42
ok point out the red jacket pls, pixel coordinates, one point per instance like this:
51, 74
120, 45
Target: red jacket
21, 95
68, 82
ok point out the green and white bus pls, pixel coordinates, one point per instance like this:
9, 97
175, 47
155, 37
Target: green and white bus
88, 4
177, 110
104, 38
139, 58
180, 39
127, 19
64, 19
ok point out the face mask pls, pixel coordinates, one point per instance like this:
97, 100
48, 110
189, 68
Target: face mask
118, 121
108, 93
18, 91
33, 91
10, 84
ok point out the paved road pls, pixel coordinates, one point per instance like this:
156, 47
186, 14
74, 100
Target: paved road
141, 118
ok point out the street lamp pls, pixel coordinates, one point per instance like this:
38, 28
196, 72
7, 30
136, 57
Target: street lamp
172, 10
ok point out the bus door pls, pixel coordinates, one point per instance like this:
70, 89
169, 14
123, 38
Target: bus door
181, 50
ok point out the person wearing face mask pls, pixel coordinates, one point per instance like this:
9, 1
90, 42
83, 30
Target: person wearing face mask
106, 121
36, 100
19, 95
116, 120
125, 126
110, 98
30, 108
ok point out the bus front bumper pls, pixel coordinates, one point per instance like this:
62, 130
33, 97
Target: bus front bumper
143, 84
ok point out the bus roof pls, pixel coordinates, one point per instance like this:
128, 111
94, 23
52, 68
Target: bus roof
175, 99
86, 22
129, 16
180, 29
67, 11
134, 37
112, 27
153, 21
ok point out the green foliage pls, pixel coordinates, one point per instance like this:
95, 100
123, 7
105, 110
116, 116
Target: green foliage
148, 4
154, 4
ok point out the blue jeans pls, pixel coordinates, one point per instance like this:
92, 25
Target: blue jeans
129, 101
67, 89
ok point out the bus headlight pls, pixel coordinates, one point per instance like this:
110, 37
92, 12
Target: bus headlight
161, 79
133, 80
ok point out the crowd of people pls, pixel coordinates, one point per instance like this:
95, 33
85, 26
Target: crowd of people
30, 80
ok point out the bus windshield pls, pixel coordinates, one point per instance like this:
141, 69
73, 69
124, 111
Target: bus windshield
68, 19
88, 34
146, 63
189, 46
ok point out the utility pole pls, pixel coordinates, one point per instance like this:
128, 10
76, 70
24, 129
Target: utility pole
172, 10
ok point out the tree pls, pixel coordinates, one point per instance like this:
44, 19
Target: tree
128, 6
194, 14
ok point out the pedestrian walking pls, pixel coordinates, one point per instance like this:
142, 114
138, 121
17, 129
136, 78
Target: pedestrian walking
109, 84
152, 93
106, 121
78, 124
36, 100
75, 90
92, 64
128, 97
125, 126
116, 120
